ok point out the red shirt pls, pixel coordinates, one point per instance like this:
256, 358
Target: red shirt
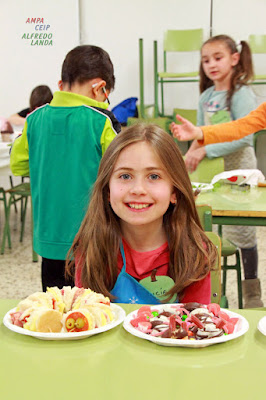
141, 264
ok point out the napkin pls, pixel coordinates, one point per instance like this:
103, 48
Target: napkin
240, 177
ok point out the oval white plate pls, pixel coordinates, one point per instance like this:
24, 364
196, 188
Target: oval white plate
241, 328
203, 187
119, 318
262, 325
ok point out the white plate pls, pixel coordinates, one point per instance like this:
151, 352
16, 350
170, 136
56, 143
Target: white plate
262, 325
203, 187
241, 328
119, 318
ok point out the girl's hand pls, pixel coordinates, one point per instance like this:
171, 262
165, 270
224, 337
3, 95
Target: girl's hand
193, 158
186, 131
194, 146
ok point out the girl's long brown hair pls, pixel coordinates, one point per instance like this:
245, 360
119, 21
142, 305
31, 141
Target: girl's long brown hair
97, 241
242, 72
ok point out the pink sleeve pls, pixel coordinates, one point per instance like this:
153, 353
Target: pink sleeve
199, 291
78, 277
78, 270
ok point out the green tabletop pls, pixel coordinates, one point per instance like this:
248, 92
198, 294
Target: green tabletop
232, 206
117, 365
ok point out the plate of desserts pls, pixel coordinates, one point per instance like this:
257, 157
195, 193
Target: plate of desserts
192, 325
262, 325
64, 314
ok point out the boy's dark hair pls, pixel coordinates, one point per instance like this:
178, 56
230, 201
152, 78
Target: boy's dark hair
39, 96
86, 62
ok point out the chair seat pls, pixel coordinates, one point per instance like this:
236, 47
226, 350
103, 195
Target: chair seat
23, 189
228, 248
194, 74
259, 77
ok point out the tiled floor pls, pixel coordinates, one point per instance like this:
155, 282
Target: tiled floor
19, 276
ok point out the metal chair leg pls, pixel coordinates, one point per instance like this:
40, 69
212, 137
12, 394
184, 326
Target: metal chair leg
224, 267
162, 97
239, 280
6, 232
237, 268
23, 218
156, 82
141, 78
11, 184
34, 254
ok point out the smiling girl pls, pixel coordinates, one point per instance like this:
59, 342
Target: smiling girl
141, 239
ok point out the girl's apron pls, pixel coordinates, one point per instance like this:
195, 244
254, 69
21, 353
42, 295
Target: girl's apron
129, 290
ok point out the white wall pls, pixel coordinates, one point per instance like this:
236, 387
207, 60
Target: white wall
239, 19
115, 25
24, 65
120, 25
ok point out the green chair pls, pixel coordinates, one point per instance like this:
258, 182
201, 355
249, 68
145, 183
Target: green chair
257, 44
259, 141
179, 42
144, 110
216, 294
17, 193
227, 249
191, 115
207, 169
205, 216
3, 198
162, 122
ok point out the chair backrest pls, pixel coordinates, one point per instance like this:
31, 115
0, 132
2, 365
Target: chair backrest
216, 288
183, 40
189, 40
207, 169
257, 44
191, 115
205, 216
259, 141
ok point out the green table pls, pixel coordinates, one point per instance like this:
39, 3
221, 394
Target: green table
117, 365
234, 207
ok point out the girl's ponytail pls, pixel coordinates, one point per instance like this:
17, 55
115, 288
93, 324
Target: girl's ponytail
243, 71
245, 62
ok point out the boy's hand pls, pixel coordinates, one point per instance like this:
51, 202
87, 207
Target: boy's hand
185, 131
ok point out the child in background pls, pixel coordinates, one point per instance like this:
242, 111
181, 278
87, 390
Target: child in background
225, 96
39, 96
60, 149
224, 73
142, 223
